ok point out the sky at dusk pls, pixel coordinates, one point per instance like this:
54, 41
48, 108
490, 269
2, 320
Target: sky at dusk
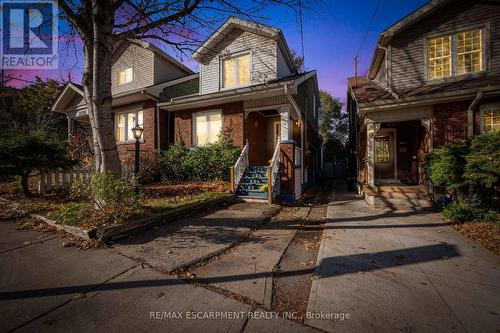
333, 32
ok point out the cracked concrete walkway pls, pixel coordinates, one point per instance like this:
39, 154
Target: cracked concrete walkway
401, 271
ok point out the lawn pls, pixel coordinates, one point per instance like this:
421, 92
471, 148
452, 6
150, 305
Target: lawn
156, 198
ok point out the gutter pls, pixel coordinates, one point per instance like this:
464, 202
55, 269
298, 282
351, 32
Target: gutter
470, 114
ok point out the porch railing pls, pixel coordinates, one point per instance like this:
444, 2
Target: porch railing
274, 167
61, 180
239, 168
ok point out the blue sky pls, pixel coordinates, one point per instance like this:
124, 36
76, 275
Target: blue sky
333, 32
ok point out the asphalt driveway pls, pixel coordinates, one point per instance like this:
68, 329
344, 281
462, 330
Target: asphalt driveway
401, 271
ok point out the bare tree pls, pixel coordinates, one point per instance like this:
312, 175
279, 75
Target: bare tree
105, 25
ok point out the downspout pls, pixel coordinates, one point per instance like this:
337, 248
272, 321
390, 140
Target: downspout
288, 94
470, 114
158, 126
388, 76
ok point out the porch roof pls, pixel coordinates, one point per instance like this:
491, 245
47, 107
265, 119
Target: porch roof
369, 93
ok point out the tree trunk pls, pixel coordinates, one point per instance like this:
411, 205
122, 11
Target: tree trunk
98, 51
25, 184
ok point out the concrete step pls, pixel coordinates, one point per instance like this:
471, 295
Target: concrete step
402, 203
251, 193
399, 195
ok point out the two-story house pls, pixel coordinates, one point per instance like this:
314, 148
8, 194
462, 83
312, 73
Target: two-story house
140, 72
434, 79
247, 87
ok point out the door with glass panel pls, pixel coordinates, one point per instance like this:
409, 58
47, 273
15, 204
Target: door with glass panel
384, 155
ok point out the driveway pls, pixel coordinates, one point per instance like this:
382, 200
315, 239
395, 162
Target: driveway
401, 271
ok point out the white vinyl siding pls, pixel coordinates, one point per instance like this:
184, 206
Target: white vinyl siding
206, 127
125, 121
141, 62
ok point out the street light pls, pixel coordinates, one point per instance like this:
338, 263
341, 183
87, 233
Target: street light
137, 131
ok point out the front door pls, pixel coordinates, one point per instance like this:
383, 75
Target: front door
385, 155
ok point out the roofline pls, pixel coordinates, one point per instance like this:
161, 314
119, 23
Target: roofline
428, 99
67, 85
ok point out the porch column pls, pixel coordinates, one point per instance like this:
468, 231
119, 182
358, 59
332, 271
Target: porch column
371, 130
71, 126
286, 124
427, 124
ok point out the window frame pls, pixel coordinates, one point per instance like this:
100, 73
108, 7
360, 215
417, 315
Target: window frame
486, 107
236, 55
485, 52
124, 70
126, 129
193, 123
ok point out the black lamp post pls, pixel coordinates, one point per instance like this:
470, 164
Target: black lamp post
137, 131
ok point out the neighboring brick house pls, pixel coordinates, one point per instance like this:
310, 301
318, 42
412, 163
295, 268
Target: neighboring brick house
434, 79
140, 73
247, 86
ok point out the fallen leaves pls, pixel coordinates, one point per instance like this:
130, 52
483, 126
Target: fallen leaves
486, 234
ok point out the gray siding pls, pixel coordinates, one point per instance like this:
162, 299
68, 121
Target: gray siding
407, 47
165, 70
263, 52
283, 69
142, 62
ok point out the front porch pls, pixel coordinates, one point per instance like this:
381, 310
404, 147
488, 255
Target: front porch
392, 175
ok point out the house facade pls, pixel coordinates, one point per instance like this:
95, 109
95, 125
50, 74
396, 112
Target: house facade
434, 79
247, 87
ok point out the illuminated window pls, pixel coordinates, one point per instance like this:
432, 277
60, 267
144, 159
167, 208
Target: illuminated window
125, 121
207, 126
439, 57
491, 120
469, 52
236, 71
382, 153
125, 76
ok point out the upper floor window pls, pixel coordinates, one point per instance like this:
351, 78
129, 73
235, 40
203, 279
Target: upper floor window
236, 71
469, 52
439, 57
125, 75
207, 126
455, 54
125, 121
490, 118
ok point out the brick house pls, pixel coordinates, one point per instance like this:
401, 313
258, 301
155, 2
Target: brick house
247, 86
434, 79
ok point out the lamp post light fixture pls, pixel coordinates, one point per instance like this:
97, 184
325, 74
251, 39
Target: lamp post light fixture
137, 131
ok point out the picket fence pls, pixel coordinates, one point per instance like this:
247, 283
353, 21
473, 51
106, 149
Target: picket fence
61, 180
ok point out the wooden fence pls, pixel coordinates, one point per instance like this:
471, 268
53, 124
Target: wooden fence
61, 180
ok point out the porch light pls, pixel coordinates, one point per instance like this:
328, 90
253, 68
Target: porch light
137, 131
297, 123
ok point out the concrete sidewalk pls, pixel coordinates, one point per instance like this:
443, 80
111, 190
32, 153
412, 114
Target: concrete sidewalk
401, 271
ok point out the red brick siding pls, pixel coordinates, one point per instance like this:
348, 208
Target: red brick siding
449, 122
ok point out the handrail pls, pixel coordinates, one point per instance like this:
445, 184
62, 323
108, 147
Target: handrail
240, 166
274, 186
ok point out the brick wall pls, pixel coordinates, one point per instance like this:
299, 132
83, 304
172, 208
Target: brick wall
232, 116
149, 142
449, 122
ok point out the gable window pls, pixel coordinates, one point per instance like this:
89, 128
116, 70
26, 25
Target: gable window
207, 126
490, 118
439, 57
236, 71
125, 121
460, 53
469, 52
125, 75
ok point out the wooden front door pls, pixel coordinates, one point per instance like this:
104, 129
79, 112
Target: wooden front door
385, 155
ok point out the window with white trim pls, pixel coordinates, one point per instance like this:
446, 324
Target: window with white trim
236, 71
490, 118
207, 126
125, 121
455, 54
125, 75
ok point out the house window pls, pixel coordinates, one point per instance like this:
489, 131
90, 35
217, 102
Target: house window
469, 52
382, 154
125, 76
491, 120
455, 54
125, 121
207, 126
236, 71
439, 57
455, 133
